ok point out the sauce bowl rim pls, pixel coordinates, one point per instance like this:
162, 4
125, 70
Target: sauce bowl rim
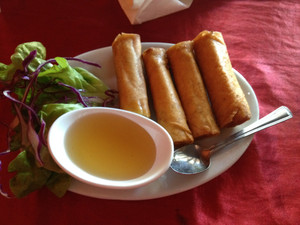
162, 140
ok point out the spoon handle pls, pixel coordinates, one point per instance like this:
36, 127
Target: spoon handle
277, 116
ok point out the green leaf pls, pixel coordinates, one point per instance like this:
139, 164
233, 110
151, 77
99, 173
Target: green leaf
6, 72
93, 85
59, 183
21, 52
29, 177
78, 78
20, 163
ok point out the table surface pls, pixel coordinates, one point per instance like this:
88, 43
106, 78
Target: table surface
263, 40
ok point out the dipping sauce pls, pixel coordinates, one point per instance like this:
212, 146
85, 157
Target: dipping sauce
110, 147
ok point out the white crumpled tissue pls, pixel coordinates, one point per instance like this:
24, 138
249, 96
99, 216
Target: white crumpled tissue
139, 11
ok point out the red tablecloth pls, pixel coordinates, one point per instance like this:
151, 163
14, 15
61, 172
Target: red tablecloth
263, 39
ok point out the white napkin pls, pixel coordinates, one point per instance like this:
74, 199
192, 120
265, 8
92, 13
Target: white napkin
139, 11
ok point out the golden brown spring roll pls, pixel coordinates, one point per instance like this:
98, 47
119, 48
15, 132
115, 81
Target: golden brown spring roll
191, 90
228, 100
130, 78
167, 106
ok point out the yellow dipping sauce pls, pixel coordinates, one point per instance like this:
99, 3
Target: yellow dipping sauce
110, 147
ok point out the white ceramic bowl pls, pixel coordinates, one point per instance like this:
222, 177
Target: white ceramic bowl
162, 141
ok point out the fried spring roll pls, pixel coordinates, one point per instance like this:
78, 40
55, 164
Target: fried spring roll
191, 90
130, 78
228, 100
167, 106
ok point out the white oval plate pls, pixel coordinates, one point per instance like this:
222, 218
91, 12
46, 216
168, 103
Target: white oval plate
170, 183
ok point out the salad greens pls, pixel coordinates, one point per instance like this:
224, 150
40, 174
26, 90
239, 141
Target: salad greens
40, 91
17, 59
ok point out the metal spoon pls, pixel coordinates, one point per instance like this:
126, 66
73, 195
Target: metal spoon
192, 159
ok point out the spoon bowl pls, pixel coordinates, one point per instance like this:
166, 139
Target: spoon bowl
193, 159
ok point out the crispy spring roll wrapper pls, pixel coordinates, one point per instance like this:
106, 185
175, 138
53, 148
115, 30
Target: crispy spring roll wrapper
228, 100
167, 105
130, 78
191, 90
